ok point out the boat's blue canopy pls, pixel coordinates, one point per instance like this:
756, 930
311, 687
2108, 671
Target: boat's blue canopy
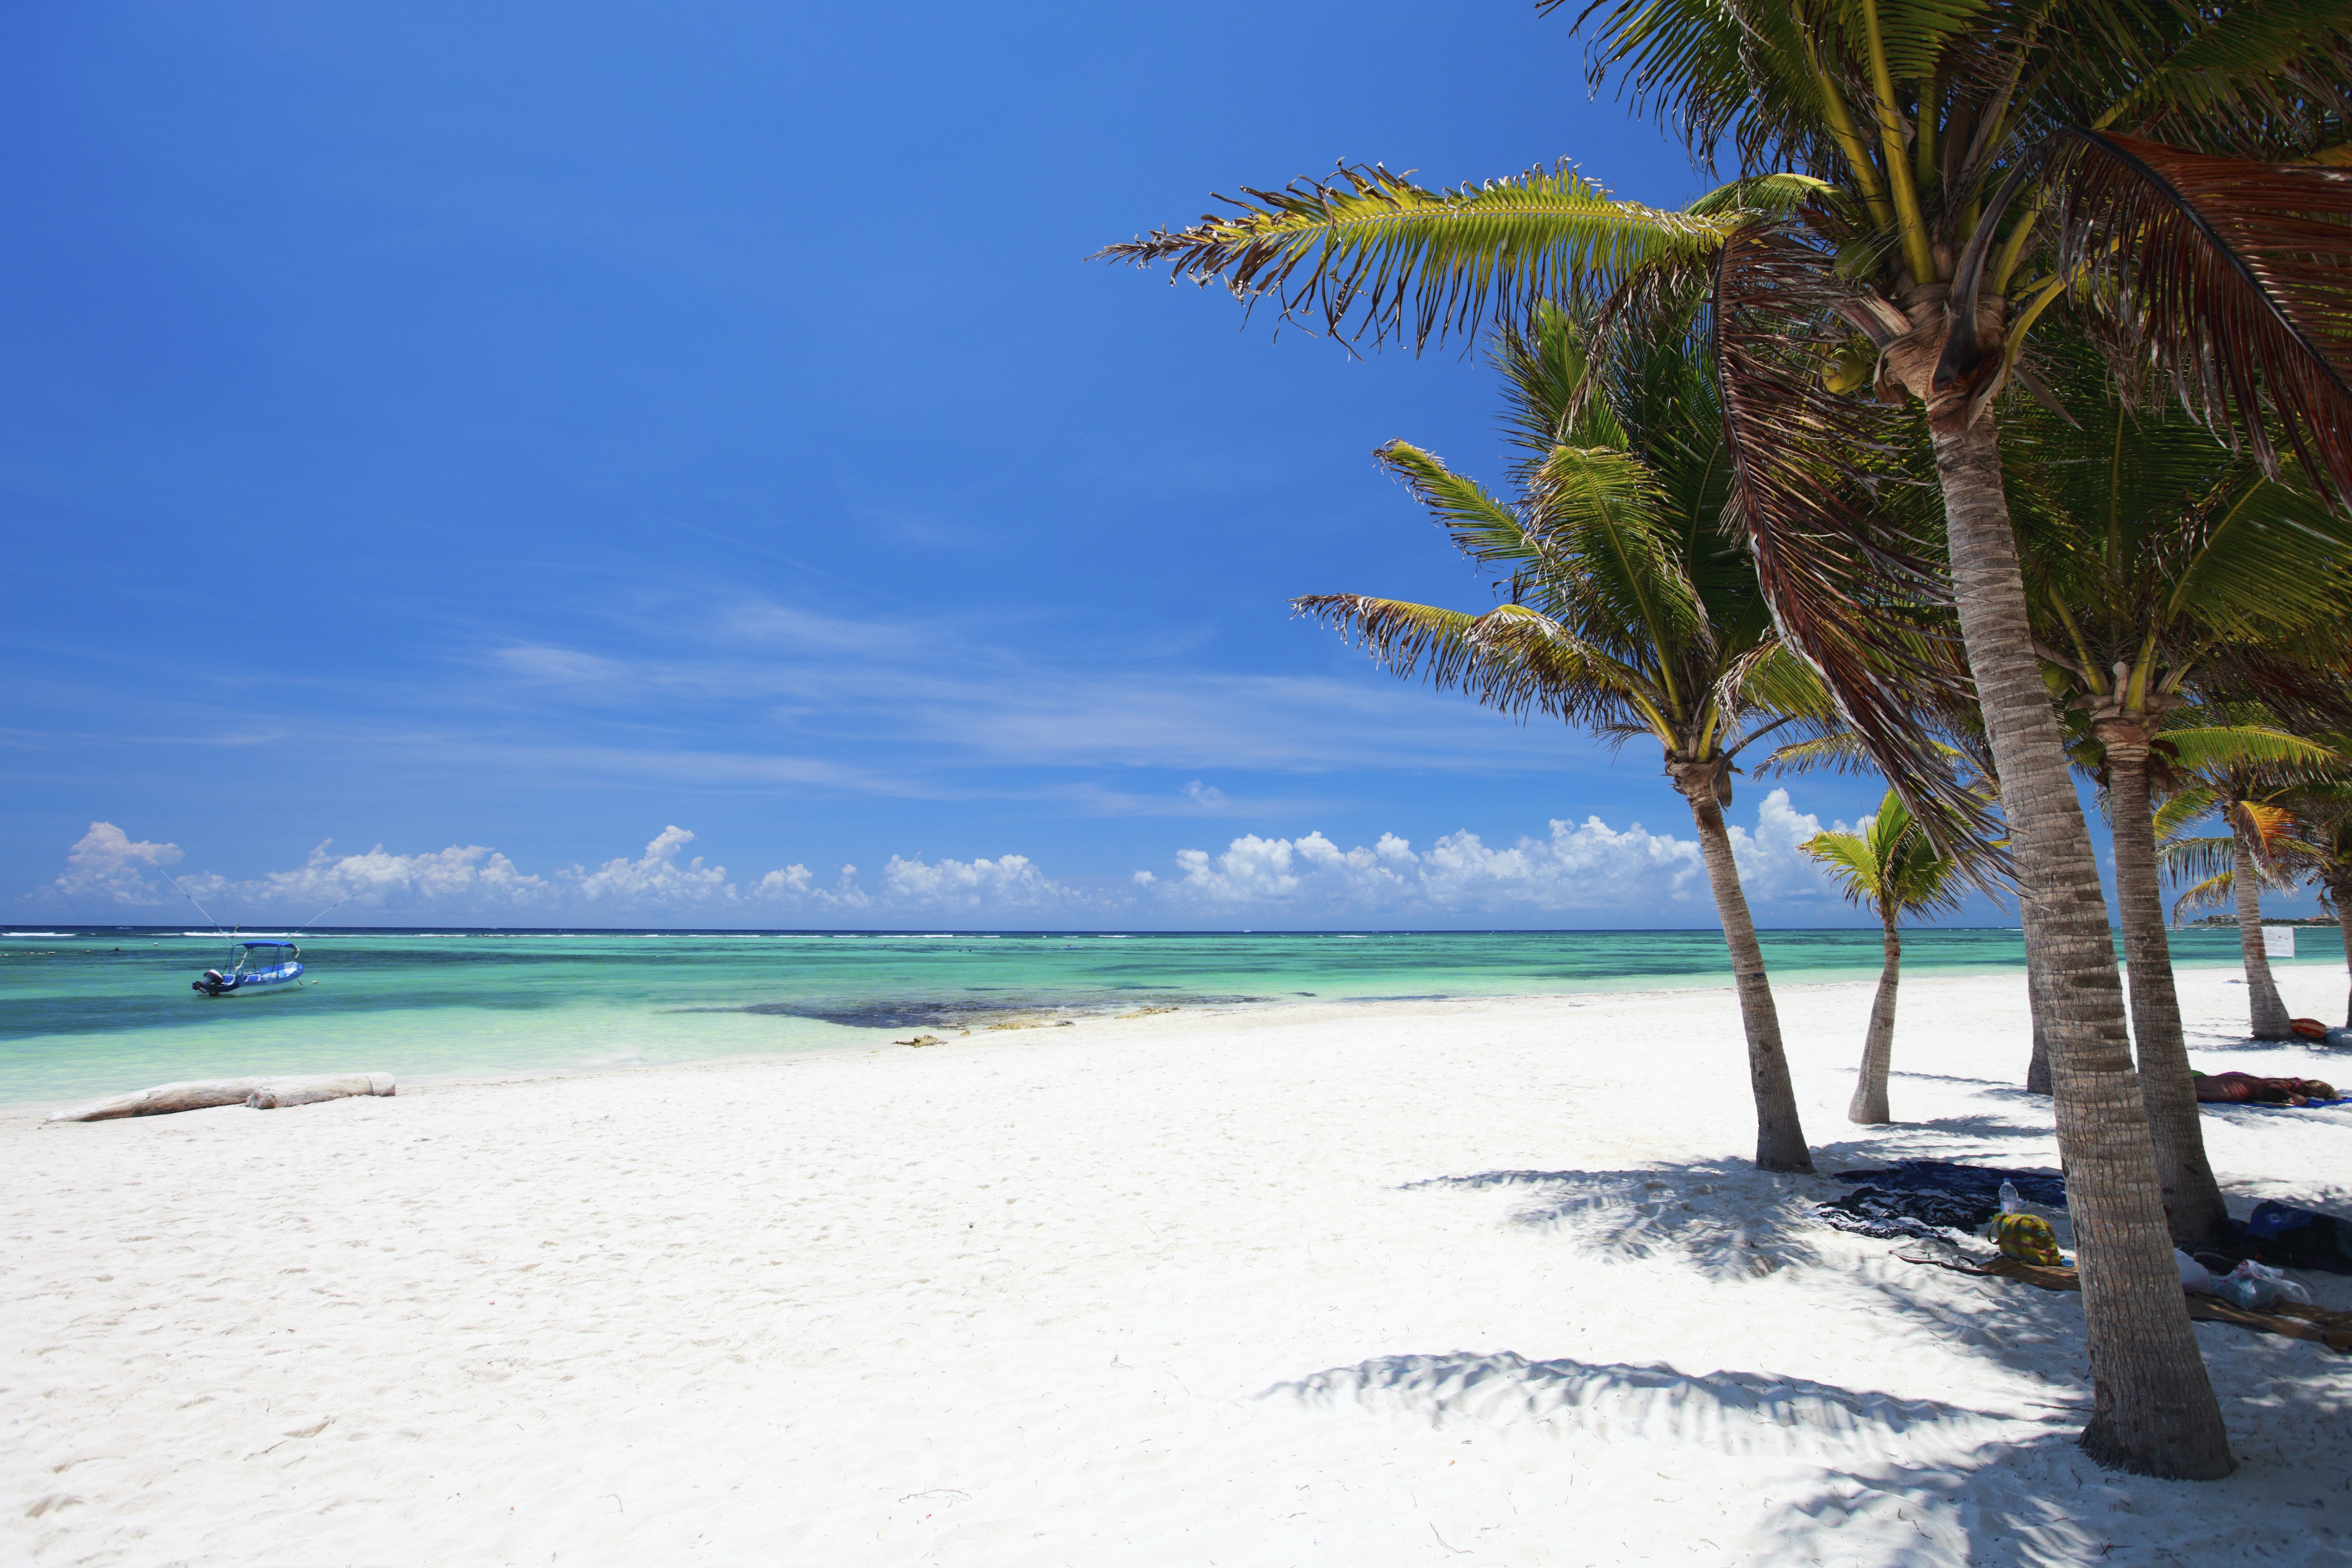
265, 944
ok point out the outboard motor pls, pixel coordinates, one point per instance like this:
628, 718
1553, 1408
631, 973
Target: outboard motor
212, 984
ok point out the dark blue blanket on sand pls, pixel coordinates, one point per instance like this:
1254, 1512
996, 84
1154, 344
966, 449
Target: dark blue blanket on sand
1926, 1198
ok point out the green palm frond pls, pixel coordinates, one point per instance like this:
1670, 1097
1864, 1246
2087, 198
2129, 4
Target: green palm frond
2221, 747
1485, 528
1401, 261
1545, 362
1778, 195
2181, 859
1891, 864
1600, 509
2213, 891
1841, 752
2184, 808
1511, 658
1848, 862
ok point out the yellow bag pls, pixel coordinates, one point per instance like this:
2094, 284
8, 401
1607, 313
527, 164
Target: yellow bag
2027, 1238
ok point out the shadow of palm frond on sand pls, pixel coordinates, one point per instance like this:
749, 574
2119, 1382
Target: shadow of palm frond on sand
1750, 1414
1723, 1222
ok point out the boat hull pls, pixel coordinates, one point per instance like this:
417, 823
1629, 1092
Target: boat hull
276, 977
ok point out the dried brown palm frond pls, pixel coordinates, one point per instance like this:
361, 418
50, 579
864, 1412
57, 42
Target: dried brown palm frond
1817, 484
2231, 277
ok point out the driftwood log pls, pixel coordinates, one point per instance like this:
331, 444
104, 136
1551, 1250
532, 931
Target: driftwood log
281, 1093
261, 1093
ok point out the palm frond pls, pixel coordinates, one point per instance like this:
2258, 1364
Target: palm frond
2183, 858
2233, 275
1403, 262
1841, 752
2214, 890
1511, 658
2252, 75
1847, 591
2185, 806
2230, 745
1485, 528
1848, 862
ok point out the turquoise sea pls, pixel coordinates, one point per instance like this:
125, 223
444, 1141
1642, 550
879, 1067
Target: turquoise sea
87, 1011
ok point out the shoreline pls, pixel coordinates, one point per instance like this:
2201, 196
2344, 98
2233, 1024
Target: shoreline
876, 1038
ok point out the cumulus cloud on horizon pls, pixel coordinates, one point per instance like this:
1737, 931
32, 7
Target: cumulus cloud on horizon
1584, 866
1580, 866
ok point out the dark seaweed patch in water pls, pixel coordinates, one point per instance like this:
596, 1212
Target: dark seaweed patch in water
958, 1013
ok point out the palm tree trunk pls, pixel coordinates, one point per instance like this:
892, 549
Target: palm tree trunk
2037, 1066
2269, 1014
2192, 1199
1869, 1104
1780, 1136
2340, 892
2153, 1409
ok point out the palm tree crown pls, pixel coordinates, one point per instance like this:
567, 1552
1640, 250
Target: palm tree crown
1631, 610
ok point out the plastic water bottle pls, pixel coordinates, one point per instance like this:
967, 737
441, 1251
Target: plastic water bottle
2010, 1202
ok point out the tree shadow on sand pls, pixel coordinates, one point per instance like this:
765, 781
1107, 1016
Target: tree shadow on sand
1910, 1482
1722, 1221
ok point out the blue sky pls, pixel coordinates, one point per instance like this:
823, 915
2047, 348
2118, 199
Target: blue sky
496, 436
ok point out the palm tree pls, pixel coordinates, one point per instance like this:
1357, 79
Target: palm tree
2150, 548
1927, 182
2324, 845
2261, 836
1630, 612
1896, 870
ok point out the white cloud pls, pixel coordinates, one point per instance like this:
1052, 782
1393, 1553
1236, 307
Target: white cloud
1586, 865
1632, 875
104, 865
1008, 882
655, 877
468, 875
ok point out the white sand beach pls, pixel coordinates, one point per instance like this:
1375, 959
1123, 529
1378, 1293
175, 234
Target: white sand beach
1466, 1282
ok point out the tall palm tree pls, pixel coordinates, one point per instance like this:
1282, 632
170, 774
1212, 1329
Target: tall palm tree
1896, 869
1630, 611
2151, 548
1925, 182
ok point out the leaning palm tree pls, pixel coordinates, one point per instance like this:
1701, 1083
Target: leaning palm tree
1630, 611
2151, 549
1896, 869
1924, 182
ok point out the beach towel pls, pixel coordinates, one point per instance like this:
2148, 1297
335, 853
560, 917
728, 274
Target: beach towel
1924, 1198
2245, 1089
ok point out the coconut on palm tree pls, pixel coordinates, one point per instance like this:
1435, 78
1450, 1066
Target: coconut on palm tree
1896, 869
1631, 611
1925, 182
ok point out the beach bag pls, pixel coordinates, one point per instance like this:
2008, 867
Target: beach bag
2285, 1237
2027, 1237
2195, 1278
2309, 1028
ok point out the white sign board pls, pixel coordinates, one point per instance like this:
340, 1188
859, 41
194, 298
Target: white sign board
2278, 941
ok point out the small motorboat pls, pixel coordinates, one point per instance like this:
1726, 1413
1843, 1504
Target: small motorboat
259, 964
